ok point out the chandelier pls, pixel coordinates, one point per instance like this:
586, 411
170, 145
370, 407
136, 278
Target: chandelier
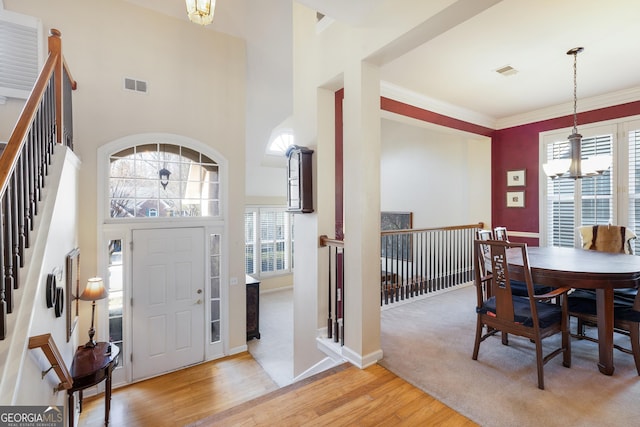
201, 11
576, 167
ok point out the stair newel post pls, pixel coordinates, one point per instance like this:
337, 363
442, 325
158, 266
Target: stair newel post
55, 49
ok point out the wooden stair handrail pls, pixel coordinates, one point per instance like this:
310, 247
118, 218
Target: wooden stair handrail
48, 346
55, 62
326, 241
45, 121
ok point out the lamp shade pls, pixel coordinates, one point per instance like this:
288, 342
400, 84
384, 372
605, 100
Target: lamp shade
201, 11
94, 290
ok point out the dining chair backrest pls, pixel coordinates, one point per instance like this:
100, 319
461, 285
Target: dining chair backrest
484, 234
526, 316
483, 254
500, 283
500, 233
607, 238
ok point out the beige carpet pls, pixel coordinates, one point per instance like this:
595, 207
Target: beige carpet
429, 344
274, 350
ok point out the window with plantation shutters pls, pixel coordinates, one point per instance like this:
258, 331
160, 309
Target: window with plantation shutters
633, 139
611, 198
572, 203
268, 241
250, 242
19, 54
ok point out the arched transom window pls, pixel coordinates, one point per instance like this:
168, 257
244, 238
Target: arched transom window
163, 180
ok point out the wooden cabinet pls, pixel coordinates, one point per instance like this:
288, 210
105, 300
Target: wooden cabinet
253, 308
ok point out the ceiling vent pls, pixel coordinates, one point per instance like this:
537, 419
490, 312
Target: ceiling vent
135, 85
507, 70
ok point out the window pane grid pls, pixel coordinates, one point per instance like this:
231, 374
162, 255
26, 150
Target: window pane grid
634, 184
587, 201
136, 190
268, 232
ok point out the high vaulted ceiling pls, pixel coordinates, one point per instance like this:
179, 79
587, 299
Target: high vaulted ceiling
459, 66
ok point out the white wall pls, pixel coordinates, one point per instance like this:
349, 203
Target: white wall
443, 178
21, 382
343, 56
196, 88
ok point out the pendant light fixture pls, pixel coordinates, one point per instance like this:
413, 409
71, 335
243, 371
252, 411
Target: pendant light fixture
201, 11
576, 167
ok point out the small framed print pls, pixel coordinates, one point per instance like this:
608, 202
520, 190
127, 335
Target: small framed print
515, 199
516, 178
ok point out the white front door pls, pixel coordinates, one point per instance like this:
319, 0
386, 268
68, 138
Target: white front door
168, 300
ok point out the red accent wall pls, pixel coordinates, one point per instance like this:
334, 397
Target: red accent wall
511, 149
518, 148
401, 108
339, 162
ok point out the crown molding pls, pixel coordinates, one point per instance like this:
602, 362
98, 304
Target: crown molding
398, 93
566, 109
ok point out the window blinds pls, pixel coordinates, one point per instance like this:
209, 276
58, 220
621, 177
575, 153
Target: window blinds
19, 65
586, 201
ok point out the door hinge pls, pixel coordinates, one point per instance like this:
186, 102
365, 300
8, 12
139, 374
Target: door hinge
131, 302
131, 358
131, 245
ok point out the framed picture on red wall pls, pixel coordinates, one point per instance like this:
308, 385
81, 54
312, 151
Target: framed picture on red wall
516, 178
515, 199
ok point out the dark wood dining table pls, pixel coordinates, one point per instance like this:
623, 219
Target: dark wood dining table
579, 268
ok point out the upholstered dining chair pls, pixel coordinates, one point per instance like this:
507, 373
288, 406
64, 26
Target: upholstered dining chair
626, 302
499, 310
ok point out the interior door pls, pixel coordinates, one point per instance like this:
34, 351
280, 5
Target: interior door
168, 315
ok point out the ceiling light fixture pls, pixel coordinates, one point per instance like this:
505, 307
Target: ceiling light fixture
201, 11
576, 166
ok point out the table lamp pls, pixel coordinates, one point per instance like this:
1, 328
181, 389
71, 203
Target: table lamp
93, 292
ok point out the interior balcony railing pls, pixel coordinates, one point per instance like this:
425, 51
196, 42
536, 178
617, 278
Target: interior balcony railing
415, 262
45, 120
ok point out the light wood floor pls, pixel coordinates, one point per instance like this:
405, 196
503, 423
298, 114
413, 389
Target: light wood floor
236, 391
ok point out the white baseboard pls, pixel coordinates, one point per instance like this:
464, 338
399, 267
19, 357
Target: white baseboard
239, 349
321, 366
362, 362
